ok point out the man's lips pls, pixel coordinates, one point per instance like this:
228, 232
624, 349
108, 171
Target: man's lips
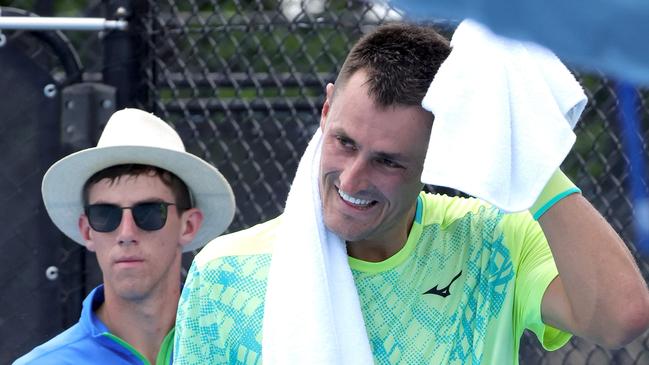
355, 202
128, 260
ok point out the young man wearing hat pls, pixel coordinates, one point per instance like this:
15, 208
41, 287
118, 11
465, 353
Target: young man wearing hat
137, 200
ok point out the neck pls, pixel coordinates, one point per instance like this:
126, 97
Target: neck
144, 323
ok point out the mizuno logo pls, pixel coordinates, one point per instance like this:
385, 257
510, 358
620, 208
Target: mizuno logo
444, 292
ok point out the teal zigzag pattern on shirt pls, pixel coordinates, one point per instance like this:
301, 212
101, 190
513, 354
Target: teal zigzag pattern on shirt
406, 327
225, 312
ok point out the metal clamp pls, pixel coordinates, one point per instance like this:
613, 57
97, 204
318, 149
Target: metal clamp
3, 38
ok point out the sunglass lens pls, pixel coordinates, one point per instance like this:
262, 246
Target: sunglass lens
104, 217
150, 216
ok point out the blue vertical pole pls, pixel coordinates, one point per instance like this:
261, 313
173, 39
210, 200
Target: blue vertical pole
628, 100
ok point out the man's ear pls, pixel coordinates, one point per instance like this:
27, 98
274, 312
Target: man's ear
84, 229
327, 105
191, 221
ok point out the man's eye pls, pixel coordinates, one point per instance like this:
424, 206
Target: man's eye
389, 163
345, 142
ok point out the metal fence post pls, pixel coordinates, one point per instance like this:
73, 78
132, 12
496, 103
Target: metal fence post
121, 53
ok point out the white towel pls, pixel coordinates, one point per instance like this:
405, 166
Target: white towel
312, 311
504, 113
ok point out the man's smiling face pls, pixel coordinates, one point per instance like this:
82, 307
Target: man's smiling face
371, 165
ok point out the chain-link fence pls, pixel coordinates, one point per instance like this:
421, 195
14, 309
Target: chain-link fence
243, 83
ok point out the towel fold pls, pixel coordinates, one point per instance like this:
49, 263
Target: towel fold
504, 113
312, 312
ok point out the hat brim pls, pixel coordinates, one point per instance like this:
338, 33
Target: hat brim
63, 183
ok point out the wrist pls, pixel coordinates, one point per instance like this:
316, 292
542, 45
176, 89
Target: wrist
558, 187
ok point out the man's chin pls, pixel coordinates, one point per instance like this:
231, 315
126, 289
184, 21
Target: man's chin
133, 295
345, 233
131, 291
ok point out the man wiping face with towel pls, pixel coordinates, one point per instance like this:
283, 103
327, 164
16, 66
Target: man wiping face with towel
363, 267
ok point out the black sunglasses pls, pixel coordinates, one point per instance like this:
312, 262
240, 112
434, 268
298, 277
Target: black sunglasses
149, 216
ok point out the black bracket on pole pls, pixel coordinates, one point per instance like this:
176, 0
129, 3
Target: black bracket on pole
84, 113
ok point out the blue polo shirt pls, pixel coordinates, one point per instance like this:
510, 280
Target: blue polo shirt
90, 342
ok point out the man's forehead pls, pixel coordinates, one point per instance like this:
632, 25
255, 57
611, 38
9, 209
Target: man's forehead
144, 186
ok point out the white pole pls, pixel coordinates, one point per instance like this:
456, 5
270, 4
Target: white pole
60, 23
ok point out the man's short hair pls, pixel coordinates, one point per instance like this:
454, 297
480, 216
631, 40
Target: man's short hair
400, 61
178, 187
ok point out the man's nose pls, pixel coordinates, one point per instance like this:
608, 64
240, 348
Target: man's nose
127, 229
355, 177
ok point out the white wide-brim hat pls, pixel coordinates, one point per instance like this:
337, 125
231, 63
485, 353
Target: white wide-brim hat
133, 136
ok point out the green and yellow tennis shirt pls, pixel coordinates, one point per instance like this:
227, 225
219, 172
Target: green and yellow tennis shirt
462, 290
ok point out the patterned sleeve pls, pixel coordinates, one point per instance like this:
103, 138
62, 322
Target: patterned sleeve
535, 270
194, 332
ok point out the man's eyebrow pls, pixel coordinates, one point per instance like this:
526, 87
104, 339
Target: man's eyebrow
141, 201
339, 132
390, 156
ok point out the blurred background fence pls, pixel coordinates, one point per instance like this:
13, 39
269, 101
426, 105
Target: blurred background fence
243, 82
